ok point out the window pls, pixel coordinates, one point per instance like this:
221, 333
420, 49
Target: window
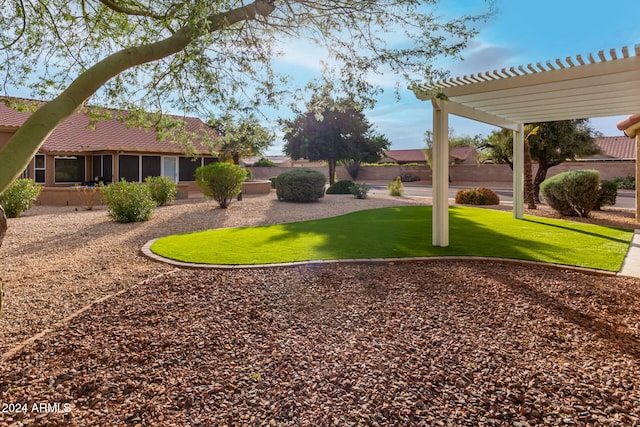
187, 168
39, 169
151, 166
69, 169
129, 168
208, 160
103, 168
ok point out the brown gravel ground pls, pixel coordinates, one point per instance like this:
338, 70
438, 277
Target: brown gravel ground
417, 343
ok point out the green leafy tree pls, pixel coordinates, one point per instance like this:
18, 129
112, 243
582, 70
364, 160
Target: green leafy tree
553, 143
558, 142
132, 55
341, 132
241, 138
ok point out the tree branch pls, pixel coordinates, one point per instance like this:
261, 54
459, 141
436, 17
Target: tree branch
24, 144
128, 11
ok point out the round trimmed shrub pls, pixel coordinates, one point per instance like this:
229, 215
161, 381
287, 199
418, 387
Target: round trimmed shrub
221, 182
477, 196
300, 185
340, 187
19, 197
572, 193
129, 201
163, 189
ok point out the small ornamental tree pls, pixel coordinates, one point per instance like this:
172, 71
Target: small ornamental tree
221, 181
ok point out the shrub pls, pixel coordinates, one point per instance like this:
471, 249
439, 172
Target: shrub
607, 194
273, 181
264, 163
221, 181
300, 185
395, 187
129, 201
340, 187
626, 183
163, 189
91, 194
477, 196
572, 193
19, 197
360, 190
407, 177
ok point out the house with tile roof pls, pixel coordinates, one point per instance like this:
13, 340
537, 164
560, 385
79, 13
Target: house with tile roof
81, 152
620, 148
402, 157
457, 155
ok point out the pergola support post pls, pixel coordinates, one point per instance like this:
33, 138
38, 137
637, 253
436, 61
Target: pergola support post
637, 177
518, 172
440, 165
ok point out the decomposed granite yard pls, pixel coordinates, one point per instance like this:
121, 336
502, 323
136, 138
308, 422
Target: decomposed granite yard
416, 343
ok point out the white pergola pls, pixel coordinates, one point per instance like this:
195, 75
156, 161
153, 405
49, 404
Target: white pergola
561, 90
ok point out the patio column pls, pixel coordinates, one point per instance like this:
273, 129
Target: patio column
631, 127
440, 163
518, 172
637, 178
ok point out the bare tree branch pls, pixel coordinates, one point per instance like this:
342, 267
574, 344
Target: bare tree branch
128, 11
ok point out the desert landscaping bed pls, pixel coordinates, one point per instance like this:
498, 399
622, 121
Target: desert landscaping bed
422, 343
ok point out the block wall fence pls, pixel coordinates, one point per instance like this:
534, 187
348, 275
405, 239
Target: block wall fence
500, 173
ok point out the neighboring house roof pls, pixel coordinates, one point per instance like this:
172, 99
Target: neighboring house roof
460, 154
278, 160
74, 135
406, 156
616, 147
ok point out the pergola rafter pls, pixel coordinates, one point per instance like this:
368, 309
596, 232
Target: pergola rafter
574, 88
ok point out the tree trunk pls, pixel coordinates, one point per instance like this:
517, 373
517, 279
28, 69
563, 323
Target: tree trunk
541, 175
528, 178
332, 171
24, 144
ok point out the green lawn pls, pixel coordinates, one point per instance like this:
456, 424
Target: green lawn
405, 232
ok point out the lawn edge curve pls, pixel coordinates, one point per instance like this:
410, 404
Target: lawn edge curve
146, 251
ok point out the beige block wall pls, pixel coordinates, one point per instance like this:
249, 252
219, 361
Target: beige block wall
502, 173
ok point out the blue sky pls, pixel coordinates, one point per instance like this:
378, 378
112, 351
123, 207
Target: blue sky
521, 32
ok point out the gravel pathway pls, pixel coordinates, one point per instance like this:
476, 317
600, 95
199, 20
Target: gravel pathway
416, 343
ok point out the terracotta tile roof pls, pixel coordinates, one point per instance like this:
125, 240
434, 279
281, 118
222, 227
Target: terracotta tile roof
74, 136
406, 156
617, 147
461, 153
